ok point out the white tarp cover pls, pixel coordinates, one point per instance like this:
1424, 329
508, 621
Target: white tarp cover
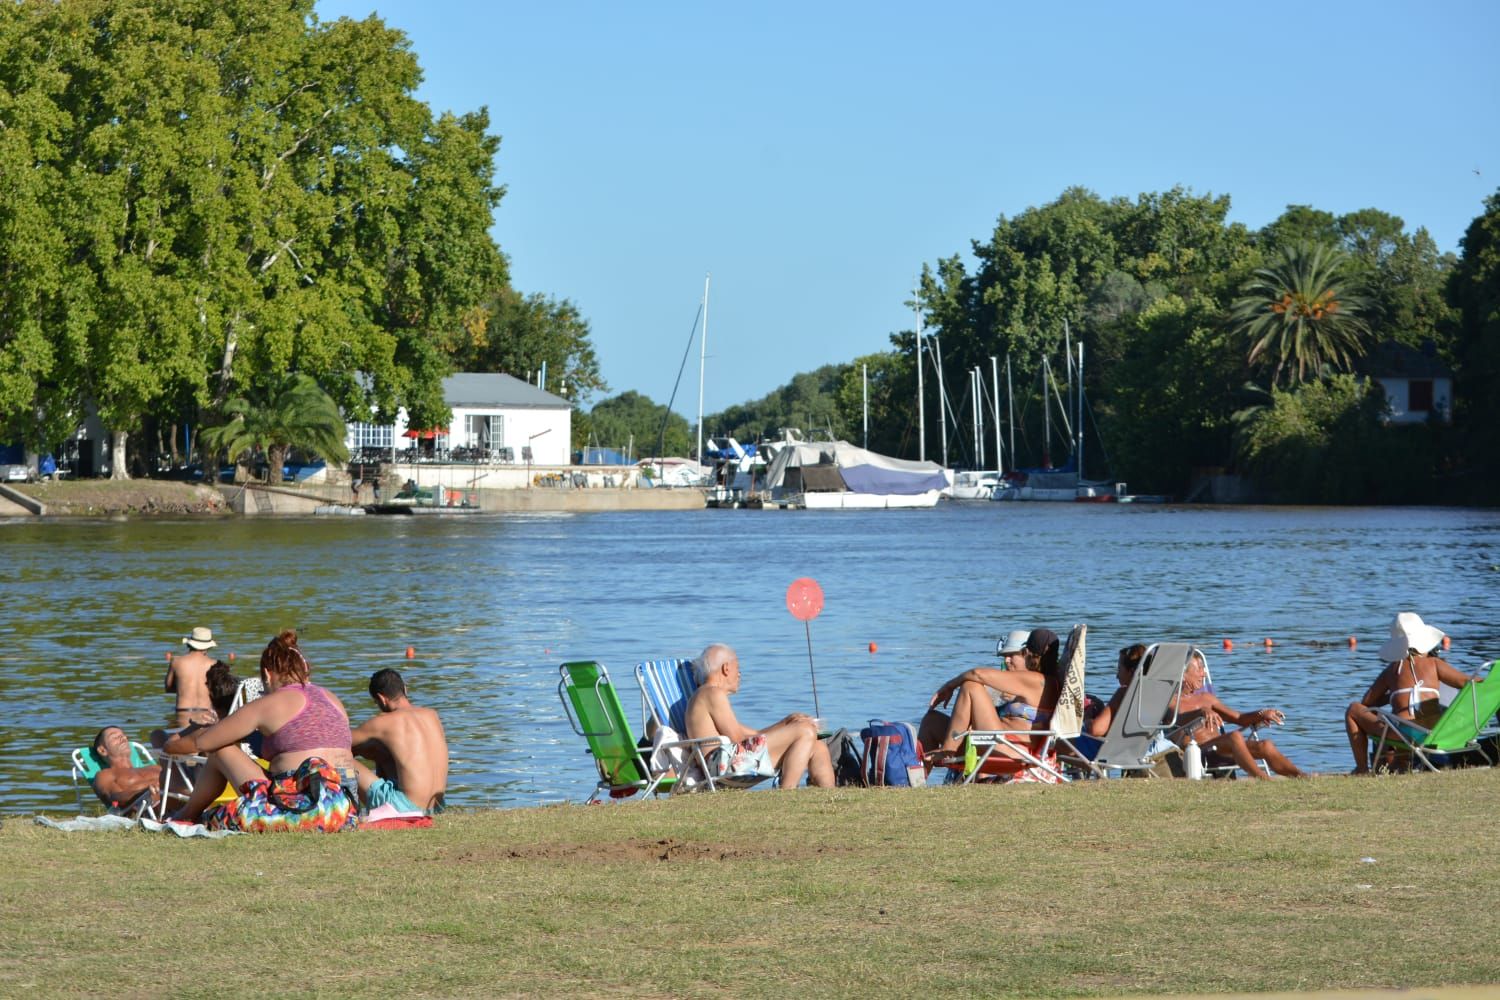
861, 471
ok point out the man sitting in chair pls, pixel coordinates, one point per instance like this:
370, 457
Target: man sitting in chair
118, 780
791, 744
408, 746
1197, 705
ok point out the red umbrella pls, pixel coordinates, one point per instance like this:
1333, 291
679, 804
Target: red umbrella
426, 435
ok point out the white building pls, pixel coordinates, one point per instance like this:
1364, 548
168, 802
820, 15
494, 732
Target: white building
496, 417
1418, 386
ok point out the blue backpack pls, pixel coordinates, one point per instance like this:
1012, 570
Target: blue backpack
893, 755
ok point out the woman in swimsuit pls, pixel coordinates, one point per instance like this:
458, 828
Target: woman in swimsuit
306, 744
1031, 680
1408, 685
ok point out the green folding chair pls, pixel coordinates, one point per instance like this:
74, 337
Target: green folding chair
86, 765
595, 713
1460, 729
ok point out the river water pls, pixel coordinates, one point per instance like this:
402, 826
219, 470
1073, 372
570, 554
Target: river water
492, 605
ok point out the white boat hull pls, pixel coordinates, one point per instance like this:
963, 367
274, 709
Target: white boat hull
869, 501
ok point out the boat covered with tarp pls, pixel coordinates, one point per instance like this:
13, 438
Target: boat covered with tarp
837, 474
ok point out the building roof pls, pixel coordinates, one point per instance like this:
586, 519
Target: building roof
494, 390
1396, 360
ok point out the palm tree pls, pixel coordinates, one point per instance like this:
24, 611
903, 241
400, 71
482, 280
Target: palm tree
1301, 313
296, 413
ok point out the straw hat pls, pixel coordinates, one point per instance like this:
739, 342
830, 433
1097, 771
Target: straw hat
200, 638
1408, 631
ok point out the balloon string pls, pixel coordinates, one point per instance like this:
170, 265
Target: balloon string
806, 627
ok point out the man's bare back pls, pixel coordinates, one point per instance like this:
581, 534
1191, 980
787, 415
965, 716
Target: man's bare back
409, 748
187, 677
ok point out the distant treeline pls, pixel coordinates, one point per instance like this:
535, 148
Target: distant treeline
1208, 347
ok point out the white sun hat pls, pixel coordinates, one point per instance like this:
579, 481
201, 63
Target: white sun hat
1408, 631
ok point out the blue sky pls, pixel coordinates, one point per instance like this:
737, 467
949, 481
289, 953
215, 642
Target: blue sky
813, 156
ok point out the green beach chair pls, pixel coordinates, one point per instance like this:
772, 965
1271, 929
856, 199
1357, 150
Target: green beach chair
86, 765
1464, 723
595, 713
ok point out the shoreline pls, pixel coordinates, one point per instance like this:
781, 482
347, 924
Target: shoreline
165, 498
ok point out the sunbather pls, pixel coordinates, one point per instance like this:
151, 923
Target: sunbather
792, 745
118, 782
1202, 715
1125, 667
1408, 685
1029, 683
187, 680
409, 749
307, 744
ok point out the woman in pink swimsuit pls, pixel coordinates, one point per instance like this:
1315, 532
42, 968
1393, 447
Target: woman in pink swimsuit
306, 744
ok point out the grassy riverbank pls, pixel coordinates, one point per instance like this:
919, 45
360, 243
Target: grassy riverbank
1102, 888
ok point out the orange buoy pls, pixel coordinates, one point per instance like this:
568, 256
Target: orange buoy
411, 652
1269, 643
1353, 642
1228, 645
1447, 642
873, 647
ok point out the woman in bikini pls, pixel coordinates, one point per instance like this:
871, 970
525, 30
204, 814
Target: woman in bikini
1408, 685
306, 743
1029, 686
1201, 717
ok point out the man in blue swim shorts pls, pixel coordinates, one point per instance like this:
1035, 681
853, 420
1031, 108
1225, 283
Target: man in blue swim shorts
408, 747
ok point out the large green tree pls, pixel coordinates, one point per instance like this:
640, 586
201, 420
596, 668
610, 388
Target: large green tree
522, 333
227, 191
1301, 313
632, 422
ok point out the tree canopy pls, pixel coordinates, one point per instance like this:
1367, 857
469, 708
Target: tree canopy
204, 195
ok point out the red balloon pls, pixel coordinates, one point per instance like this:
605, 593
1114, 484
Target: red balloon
804, 599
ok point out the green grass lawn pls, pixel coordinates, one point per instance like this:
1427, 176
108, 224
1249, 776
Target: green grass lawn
1099, 888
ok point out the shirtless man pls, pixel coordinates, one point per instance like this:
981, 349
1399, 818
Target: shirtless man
792, 744
409, 749
1196, 704
119, 781
187, 677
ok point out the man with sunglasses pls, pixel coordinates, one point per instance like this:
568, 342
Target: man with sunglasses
408, 746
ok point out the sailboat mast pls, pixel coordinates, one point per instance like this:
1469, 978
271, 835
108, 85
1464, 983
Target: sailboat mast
1046, 415
921, 406
1079, 447
702, 358
937, 361
1010, 405
995, 408
864, 378
974, 390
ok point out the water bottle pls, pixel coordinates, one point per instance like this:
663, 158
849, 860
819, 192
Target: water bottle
1192, 761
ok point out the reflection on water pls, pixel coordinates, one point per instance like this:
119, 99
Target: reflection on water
492, 605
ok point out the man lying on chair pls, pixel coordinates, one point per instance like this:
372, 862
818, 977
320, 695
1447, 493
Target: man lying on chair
118, 781
792, 744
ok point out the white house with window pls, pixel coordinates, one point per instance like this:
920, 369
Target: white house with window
1418, 386
496, 418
